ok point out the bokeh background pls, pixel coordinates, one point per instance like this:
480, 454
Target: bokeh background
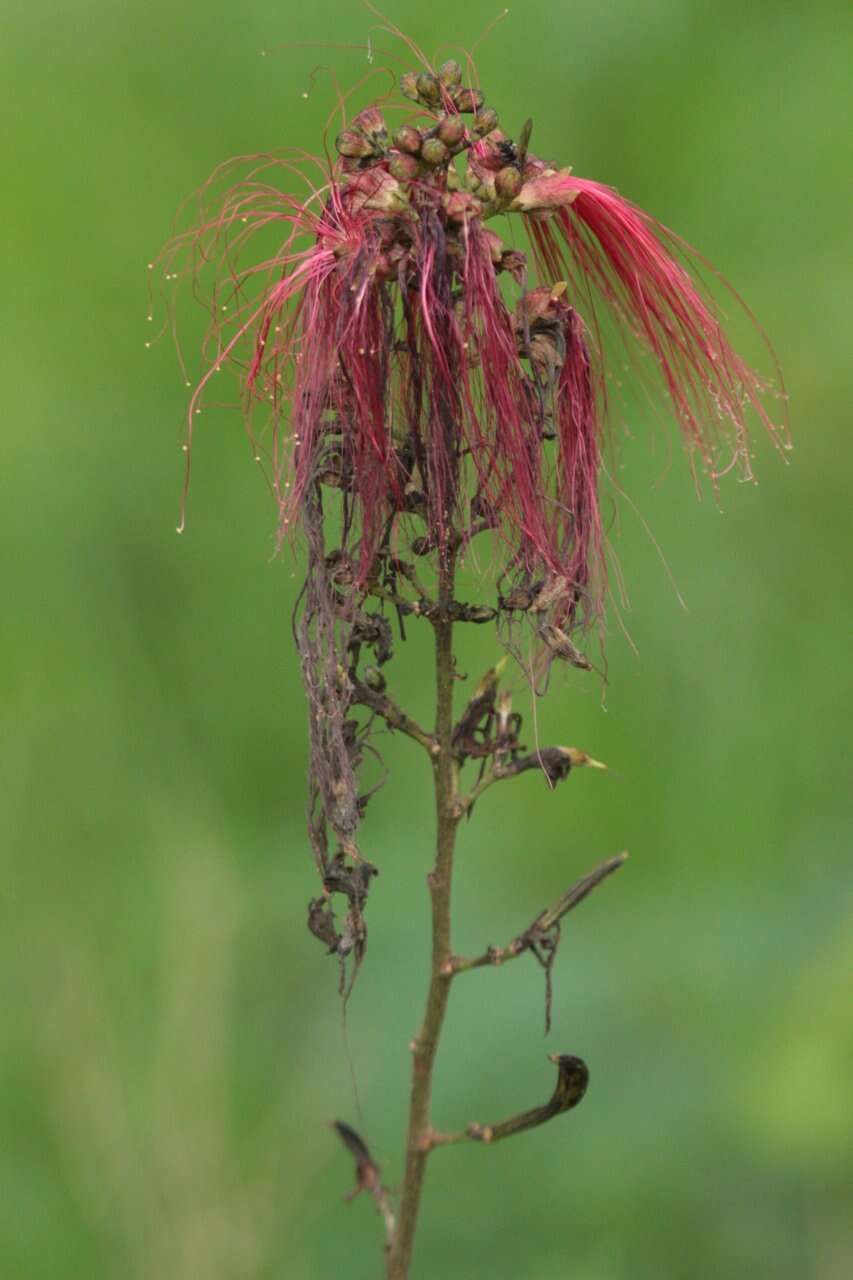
172, 1046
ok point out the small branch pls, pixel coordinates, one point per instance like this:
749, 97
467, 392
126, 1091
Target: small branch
419, 608
544, 923
556, 763
572, 1081
368, 1176
393, 715
553, 914
437, 612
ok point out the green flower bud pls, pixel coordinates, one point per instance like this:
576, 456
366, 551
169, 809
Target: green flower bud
486, 190
351, 142
469, 100
371, 122
409, 139
429, 90
409, 85
374, 679
508, 183
451, 131
403, 167
450, 73
485, 121
434, 153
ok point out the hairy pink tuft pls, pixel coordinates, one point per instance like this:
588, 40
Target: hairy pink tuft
635, 263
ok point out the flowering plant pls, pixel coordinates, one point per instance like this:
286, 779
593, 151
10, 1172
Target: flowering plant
410, 380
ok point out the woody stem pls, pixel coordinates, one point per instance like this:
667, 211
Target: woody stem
425, 1044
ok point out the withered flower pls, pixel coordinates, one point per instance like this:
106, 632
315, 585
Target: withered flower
408, 381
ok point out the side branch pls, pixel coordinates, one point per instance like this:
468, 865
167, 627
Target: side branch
393, 715
556, 763
423, 607
544, 924
572, 1081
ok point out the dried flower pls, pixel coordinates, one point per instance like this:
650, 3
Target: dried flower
393, 364
408, 395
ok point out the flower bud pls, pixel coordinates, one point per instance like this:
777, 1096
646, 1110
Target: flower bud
374, 679
403, 167
350, 142
450, 73
371, 122
376, 189
451, 131
408, 138
486, 189
434, 153
429, 90
485, 121
495, 245
409, 85
459, 205
469, 100
508, 183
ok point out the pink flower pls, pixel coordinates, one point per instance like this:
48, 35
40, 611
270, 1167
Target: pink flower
376, 340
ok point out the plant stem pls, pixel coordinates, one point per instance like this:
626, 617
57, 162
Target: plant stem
425, 1044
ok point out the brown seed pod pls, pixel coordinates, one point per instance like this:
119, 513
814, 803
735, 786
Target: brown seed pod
562, 647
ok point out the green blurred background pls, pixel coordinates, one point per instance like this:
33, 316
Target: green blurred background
172, 1043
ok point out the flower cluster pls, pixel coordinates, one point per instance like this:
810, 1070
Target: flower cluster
399, 370
410, 380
